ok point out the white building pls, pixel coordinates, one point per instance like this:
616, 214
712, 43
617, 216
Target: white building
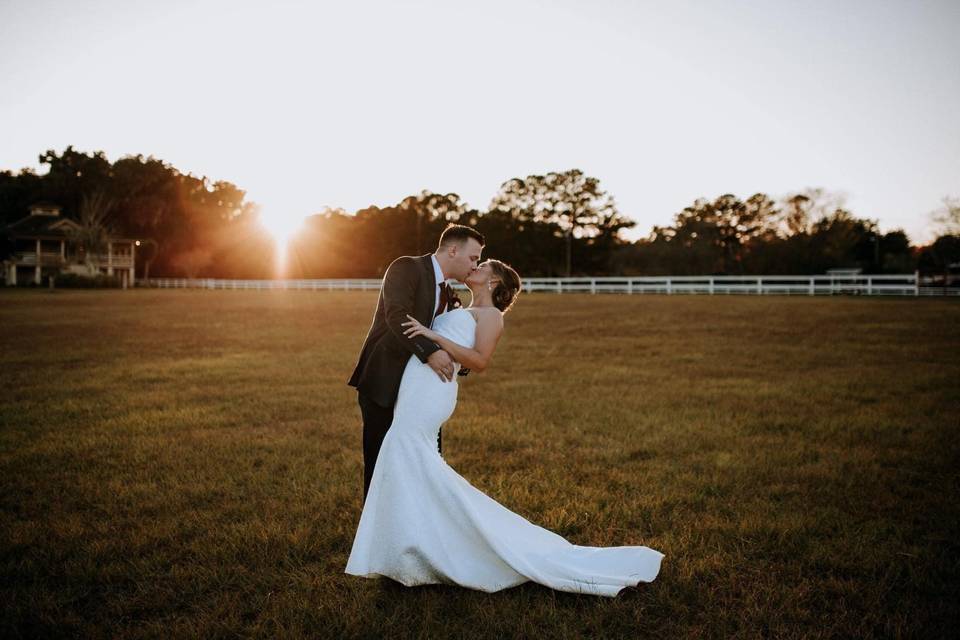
43, 246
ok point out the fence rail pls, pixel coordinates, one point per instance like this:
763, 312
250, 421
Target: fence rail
871, 285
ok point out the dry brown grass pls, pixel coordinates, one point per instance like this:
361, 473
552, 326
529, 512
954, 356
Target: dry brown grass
187, 463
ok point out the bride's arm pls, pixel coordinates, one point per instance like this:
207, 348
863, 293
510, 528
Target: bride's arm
489, 328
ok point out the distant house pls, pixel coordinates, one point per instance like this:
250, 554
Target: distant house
43, 245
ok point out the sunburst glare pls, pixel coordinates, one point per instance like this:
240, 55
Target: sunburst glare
283, 228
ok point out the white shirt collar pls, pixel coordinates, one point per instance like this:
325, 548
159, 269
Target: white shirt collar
437, 271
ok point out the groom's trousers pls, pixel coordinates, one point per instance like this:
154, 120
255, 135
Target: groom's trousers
376, 421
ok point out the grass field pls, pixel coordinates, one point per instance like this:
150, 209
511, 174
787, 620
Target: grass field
187, 463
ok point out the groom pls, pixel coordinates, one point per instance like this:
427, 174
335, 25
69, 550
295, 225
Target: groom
415, 286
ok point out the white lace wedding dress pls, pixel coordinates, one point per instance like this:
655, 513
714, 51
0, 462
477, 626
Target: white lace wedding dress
423, 523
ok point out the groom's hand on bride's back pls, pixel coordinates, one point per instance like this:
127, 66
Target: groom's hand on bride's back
442, 364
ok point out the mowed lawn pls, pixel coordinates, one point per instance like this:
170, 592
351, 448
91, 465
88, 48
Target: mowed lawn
188, 464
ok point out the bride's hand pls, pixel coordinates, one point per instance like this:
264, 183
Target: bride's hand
417, 329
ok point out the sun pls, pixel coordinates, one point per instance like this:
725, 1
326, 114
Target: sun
283, 228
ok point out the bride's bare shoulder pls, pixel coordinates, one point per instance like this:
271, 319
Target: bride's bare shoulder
488, 316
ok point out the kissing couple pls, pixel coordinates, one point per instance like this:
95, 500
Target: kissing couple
422, 522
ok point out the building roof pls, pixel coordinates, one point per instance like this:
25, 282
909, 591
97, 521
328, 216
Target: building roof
46, 226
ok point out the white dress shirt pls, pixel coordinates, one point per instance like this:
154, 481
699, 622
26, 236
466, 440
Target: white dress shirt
438, 274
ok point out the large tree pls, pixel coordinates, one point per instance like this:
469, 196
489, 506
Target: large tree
942, 256
431, 212
800, 210
571, 201
947, 217
94, 230
716, 236
196, 222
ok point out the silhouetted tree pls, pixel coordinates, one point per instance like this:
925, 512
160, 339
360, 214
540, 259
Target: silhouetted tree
715, 237
570, 200
431, 212
95, 228
939, 255
947, 217
190, 217
544, 225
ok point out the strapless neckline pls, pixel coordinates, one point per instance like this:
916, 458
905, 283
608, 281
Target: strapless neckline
467, 312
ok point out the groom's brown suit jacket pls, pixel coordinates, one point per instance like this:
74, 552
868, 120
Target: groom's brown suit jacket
408, 287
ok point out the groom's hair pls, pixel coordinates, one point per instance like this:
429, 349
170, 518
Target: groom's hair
458, 234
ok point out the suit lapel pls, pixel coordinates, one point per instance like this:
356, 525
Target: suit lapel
427, 264
431, 280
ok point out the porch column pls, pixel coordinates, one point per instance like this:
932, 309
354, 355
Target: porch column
63, 251
109, 258
12, 274
133, 262
36, 270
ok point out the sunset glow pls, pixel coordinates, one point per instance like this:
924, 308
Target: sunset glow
335, 104
283, 229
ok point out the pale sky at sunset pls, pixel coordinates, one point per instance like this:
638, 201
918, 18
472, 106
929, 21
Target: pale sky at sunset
348, 104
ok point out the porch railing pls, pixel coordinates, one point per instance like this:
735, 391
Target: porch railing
53, 258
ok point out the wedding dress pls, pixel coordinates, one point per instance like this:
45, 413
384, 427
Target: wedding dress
423, 523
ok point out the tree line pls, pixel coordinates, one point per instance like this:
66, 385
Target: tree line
557, 224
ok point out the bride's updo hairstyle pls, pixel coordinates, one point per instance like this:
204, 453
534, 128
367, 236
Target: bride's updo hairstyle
506, 291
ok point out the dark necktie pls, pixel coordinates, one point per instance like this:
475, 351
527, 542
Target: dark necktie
444, 298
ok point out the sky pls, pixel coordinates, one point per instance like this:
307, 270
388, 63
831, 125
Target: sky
347, 104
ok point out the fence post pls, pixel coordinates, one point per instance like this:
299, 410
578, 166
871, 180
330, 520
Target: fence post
630, 287
916, 282
669, 287
812, 286
759, 286
593, 286
869, 285
711, 285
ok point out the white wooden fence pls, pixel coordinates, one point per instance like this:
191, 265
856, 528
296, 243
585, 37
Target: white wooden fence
871, 285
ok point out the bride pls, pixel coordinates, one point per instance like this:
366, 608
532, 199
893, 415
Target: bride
423, 523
